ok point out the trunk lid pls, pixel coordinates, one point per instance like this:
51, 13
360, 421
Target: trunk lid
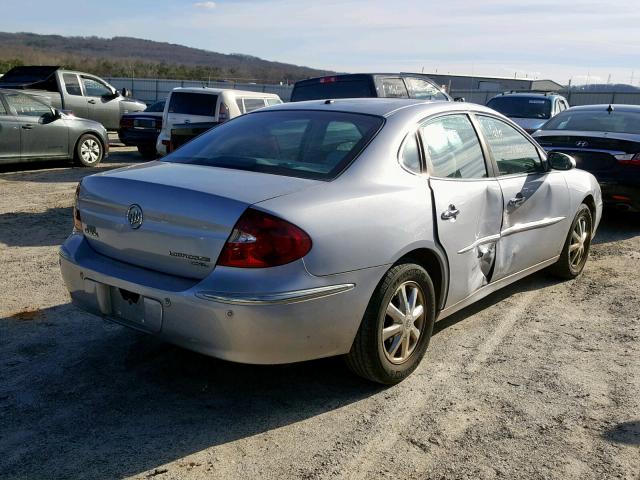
188, 212
592, 151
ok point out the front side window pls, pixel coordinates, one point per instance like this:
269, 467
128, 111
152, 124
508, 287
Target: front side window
95, 88
423, 90
3, 111
306, 144
71, 84
453, 148
394, 88
511, 150
251, 104
25, 105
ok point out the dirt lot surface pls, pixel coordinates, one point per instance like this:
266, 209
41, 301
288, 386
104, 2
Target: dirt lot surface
538, 381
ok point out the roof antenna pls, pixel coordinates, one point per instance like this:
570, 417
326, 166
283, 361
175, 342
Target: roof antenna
610, 109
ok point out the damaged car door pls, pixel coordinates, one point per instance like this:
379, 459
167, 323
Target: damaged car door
536, 200
467, 199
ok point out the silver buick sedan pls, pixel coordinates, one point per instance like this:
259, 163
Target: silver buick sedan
324, 228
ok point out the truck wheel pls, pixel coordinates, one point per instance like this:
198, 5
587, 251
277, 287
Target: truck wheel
89, 151
396, 327
148, 152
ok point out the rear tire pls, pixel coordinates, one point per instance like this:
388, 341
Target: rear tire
576, 247
406, 324
148, 152
89, 151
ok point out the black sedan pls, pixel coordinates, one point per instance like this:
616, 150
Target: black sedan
604, 140
141, 129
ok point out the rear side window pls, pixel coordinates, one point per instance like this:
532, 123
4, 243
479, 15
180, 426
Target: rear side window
394, 88
306, 144
189, 103
512, 152
71, 84
333, 89
410, 155
251, 104
452, 146
273, 101
3, 111
423, 90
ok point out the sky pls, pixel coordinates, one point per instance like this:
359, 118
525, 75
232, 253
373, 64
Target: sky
586, 41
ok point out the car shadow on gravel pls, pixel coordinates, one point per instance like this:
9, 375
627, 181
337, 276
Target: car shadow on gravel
535, 281
116, 403
36, 229
617, 225
627, 433
63, 171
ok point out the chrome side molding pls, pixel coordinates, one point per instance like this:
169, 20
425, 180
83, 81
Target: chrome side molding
281, 298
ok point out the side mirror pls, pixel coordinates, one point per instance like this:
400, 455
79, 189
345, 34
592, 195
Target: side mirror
459, 99
125, 93
51, 116
560, 161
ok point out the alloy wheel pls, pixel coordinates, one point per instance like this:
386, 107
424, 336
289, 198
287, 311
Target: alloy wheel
403, 323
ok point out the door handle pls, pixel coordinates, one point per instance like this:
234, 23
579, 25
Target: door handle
450, 214
517, 200
28, 126
92, 102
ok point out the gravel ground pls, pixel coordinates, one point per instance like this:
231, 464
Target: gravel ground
540, 380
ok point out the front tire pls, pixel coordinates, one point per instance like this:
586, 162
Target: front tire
576, 247
89, 151
396, 327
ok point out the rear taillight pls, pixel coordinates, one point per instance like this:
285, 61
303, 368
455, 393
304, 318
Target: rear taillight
261, 240
159, 124
328, 79
223, 113
126, 122
628, 158
77, 222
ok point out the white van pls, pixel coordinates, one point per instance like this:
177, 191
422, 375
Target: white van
213, 105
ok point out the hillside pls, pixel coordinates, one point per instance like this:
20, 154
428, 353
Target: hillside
126, 56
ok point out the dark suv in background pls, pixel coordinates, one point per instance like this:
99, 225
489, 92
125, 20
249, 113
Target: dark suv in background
364, 85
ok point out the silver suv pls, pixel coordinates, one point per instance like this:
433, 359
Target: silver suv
529, 110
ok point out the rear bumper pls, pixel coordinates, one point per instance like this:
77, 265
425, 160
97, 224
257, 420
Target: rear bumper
623, 194
138, 138
300, 316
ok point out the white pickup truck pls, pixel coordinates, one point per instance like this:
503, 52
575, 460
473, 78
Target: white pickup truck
85, 95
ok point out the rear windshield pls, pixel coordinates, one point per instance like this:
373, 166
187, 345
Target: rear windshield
337, 89
190, 103
306, 144
595, 121
522, 107
156, 107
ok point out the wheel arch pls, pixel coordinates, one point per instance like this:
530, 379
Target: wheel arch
435, 264
89, 132
590, 202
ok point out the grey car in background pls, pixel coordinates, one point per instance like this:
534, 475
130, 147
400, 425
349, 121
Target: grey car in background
338, 227
529, 110
30, 129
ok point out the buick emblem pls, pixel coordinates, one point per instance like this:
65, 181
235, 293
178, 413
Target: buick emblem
582, 144
134, 215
